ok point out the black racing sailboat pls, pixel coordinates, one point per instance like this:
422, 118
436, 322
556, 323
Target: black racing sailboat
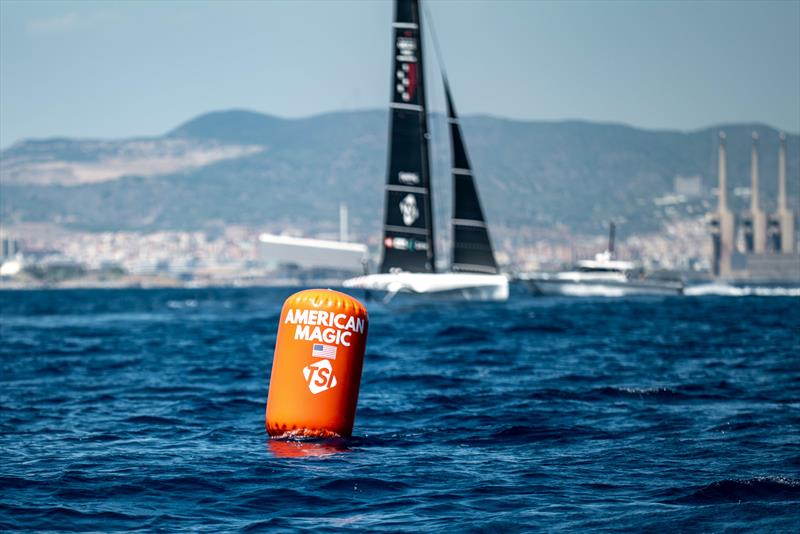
408, 261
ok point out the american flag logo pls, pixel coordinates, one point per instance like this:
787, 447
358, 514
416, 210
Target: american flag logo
324, 351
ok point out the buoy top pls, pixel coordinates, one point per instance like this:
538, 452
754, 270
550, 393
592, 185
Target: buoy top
327, 299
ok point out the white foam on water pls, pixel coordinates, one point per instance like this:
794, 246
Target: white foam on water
592, 290
726, 290
177, 304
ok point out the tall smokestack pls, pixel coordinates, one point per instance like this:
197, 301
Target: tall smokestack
754, 203
721, 172
756, 224
784, 216
782, 205
722, 223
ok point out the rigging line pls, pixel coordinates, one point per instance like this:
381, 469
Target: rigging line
439, 62
432, 30
438, 134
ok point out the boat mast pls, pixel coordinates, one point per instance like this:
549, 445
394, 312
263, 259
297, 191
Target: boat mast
611, 229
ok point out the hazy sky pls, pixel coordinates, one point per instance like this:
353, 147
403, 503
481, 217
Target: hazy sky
119, 69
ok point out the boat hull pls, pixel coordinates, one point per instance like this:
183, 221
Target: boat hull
602, 288
434, 286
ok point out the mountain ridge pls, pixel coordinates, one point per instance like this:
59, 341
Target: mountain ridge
243, 167
479, 115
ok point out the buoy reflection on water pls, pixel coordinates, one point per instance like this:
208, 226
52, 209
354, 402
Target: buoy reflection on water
281, 448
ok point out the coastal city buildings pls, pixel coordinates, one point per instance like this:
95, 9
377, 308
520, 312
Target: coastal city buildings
238, 255
691, 239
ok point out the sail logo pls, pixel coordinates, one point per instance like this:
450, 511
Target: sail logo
319, 376
324, 327
407, 48
409, 210
408, 178
406, 81
402, 243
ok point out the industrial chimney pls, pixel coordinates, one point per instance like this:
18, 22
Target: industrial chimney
756, 220
783, 219
722, 223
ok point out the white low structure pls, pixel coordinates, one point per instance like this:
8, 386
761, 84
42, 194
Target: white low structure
313, 253
10, 268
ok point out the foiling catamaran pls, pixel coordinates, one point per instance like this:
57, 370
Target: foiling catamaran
408, 263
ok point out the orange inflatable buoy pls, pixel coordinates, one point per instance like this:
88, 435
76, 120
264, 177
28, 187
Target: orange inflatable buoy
316, 370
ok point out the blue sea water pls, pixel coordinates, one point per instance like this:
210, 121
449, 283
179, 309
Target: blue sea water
144, 409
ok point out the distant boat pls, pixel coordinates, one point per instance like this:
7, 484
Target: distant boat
408, 263
602, 276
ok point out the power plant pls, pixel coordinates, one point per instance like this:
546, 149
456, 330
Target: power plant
769, 251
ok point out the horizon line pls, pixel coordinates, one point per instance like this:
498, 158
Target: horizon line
375, 110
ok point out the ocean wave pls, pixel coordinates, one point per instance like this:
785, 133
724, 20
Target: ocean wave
552, 328
464, 334
759, 489
152, 420
515, 434
657, 392
365, 484
179, 304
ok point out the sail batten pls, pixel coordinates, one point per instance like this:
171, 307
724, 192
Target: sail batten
472, 248
407, 188
394, 228
469, 222
408, 241
411, 107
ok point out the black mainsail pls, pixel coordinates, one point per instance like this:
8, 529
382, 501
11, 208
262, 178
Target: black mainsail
472, 248
408, 220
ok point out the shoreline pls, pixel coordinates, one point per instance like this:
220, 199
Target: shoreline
162, 283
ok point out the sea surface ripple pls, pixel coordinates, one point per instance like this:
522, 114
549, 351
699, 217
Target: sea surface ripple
144, 410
